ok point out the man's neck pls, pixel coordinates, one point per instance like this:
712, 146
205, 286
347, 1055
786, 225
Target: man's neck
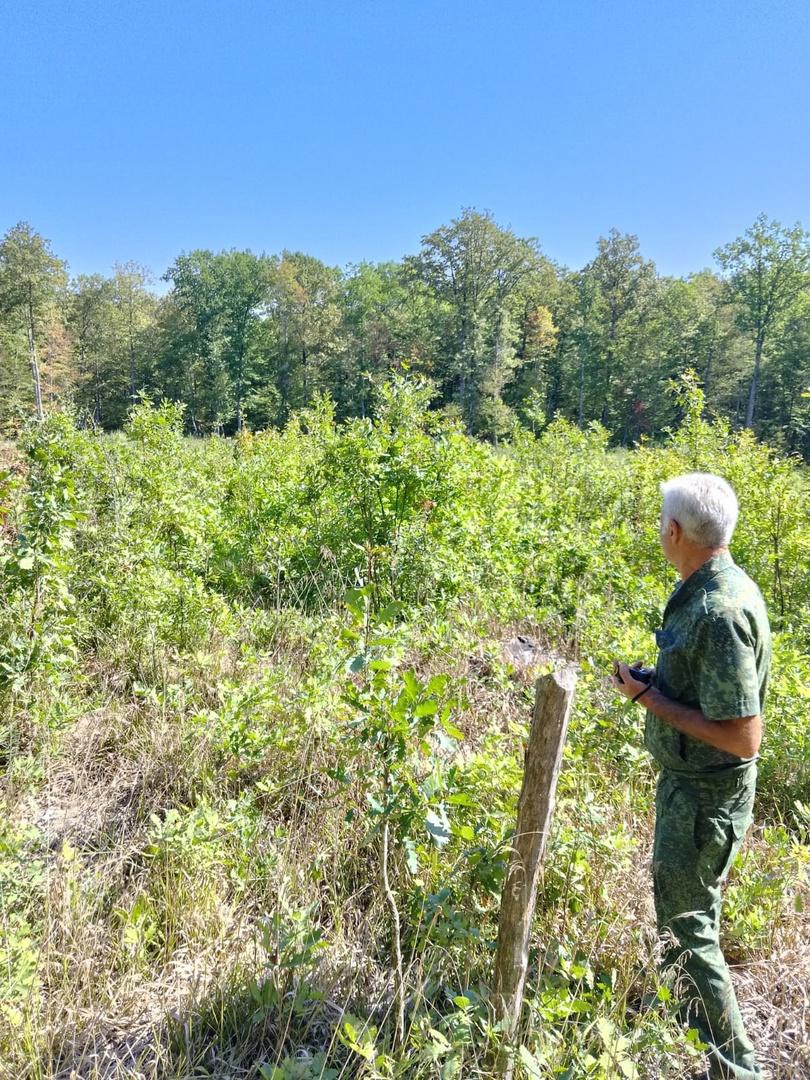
692, 560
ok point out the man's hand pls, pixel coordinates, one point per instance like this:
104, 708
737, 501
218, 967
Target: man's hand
627, 685
739, 735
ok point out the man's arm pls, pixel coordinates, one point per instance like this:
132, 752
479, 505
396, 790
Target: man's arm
740, 735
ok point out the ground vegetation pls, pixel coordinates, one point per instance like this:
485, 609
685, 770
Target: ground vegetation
261, 726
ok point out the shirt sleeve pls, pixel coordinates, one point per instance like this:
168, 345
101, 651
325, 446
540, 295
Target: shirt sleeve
726, 668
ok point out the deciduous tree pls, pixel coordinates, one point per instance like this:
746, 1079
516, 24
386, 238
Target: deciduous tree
31, 281
767, 272
478, 269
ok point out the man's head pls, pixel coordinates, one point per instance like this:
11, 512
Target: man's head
698, 516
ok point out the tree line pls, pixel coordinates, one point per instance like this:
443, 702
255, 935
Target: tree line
505, 333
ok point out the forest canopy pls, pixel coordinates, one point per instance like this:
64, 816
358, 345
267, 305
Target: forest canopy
507, 335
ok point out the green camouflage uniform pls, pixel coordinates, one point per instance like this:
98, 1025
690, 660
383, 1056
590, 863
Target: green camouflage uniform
714, 654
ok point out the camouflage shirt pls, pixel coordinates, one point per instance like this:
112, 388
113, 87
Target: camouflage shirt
714, 655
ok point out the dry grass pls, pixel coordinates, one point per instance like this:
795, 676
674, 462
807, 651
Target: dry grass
104, 1017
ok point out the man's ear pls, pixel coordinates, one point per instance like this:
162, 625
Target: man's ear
675, 530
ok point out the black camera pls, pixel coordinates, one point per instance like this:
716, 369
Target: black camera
640, 674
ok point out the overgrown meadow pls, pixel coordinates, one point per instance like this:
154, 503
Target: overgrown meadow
261, 735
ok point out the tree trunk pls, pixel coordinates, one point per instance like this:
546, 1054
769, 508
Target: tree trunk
790, 426
608, 376
133, 392
708, 373
97, 394
284, 370
239, 392
32, 356
581, 409
133, 375
752, 394
555, 694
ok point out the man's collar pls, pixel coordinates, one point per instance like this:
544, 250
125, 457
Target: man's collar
698, 579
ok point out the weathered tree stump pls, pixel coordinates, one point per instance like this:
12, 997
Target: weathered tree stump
554, 695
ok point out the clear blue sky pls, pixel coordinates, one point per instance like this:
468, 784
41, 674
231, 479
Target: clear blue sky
350, 129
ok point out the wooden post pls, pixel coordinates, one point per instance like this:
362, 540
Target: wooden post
555, 693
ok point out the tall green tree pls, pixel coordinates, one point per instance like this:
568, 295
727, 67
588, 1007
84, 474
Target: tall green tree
32, 279
244, 294
536, 390
190, 367
90, 315
305, 309
389, 324
15, 379
477, 269
134, 306
615, 293
785, 393
766, 273
685, 326
219, 300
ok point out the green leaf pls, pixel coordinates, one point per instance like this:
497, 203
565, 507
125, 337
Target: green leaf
390, 611
693, 1037
411, 859
451, 1068
437, 684
355, 600
411, 684
530, 1063
438, 827
426, 708
607, 1030
451, 729
439, 1040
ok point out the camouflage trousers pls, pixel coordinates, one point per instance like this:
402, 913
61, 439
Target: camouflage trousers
699, 825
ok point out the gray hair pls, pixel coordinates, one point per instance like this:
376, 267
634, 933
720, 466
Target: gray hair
704, 505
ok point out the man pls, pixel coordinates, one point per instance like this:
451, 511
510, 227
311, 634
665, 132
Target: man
703, 726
